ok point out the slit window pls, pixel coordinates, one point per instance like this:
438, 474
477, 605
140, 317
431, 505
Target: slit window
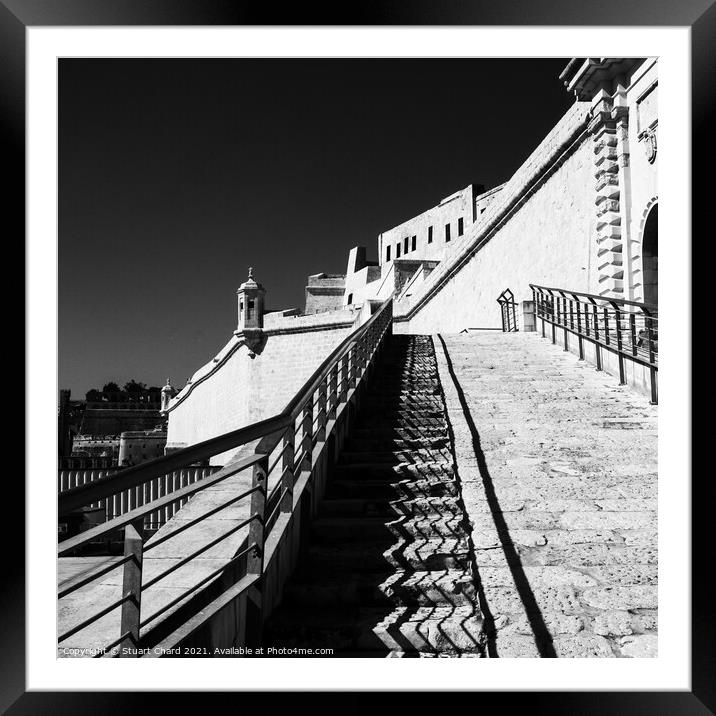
387, 253
430, 234
447, 232
460, 227
405, 241
397, 251
414, 243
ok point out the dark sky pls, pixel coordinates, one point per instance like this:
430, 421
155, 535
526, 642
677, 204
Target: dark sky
177, 175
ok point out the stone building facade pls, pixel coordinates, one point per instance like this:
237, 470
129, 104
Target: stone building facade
580, 213
137, 446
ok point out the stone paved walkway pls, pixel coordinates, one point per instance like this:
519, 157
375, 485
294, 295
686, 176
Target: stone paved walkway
559, 476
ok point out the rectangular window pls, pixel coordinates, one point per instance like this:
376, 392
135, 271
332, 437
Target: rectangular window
414, 243
405, 241
397, 251
447, 232
459, 227
387, 253
430, 234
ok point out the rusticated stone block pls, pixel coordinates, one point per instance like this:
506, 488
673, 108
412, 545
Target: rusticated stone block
609, 218
605, 180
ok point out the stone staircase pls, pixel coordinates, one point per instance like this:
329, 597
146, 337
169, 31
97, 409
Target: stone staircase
389, 569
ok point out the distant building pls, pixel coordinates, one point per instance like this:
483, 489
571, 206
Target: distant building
94, 446
90, 431
138, 446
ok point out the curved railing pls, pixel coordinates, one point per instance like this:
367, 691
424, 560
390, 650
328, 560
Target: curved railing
627, 328
291, 454
508, 311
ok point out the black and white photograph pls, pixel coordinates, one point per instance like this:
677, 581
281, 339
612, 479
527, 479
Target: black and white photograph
345, 342
414, 358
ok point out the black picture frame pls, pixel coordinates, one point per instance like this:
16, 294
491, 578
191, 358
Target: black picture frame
17, 15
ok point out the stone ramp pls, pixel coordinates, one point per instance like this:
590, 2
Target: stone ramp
159, 601
558, 466
389, 570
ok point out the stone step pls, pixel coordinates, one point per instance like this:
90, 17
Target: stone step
412, 588
408, 433
335, 529
393, 473
371, 507
374, 629
377, 489
402, 420
392, 444
397, 457
423, 386
378, 556
404, 400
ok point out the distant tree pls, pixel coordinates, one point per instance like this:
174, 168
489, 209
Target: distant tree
111, 387
135, 390
93, 396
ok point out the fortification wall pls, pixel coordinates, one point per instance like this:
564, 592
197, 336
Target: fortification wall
539, 229
247, 386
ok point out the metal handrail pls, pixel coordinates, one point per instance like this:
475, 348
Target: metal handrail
139, 474
323, 393
646, 307
626, 328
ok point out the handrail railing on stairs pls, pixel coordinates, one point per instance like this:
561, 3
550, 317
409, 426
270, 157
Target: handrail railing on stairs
295, 447
629, 329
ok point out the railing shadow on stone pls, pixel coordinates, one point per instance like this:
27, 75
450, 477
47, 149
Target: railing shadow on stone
404, 532
290, 463
627, 329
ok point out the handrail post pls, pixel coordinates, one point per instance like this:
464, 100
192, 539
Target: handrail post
255, 559
131, 590
333, 392
307, 435
255, 556
343, 391
353, 368
595, 327
649, 321
579, 328
618, 318
564, 321
287, 470
321, 407
366, 342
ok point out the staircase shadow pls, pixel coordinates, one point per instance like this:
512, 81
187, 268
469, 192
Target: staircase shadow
375, 581
542, 637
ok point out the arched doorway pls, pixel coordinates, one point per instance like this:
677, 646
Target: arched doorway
650, 256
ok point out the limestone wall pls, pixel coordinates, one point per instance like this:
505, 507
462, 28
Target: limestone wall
538, 229
245, 386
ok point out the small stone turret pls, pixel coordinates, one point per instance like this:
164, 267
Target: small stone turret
250, 304
168, 392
